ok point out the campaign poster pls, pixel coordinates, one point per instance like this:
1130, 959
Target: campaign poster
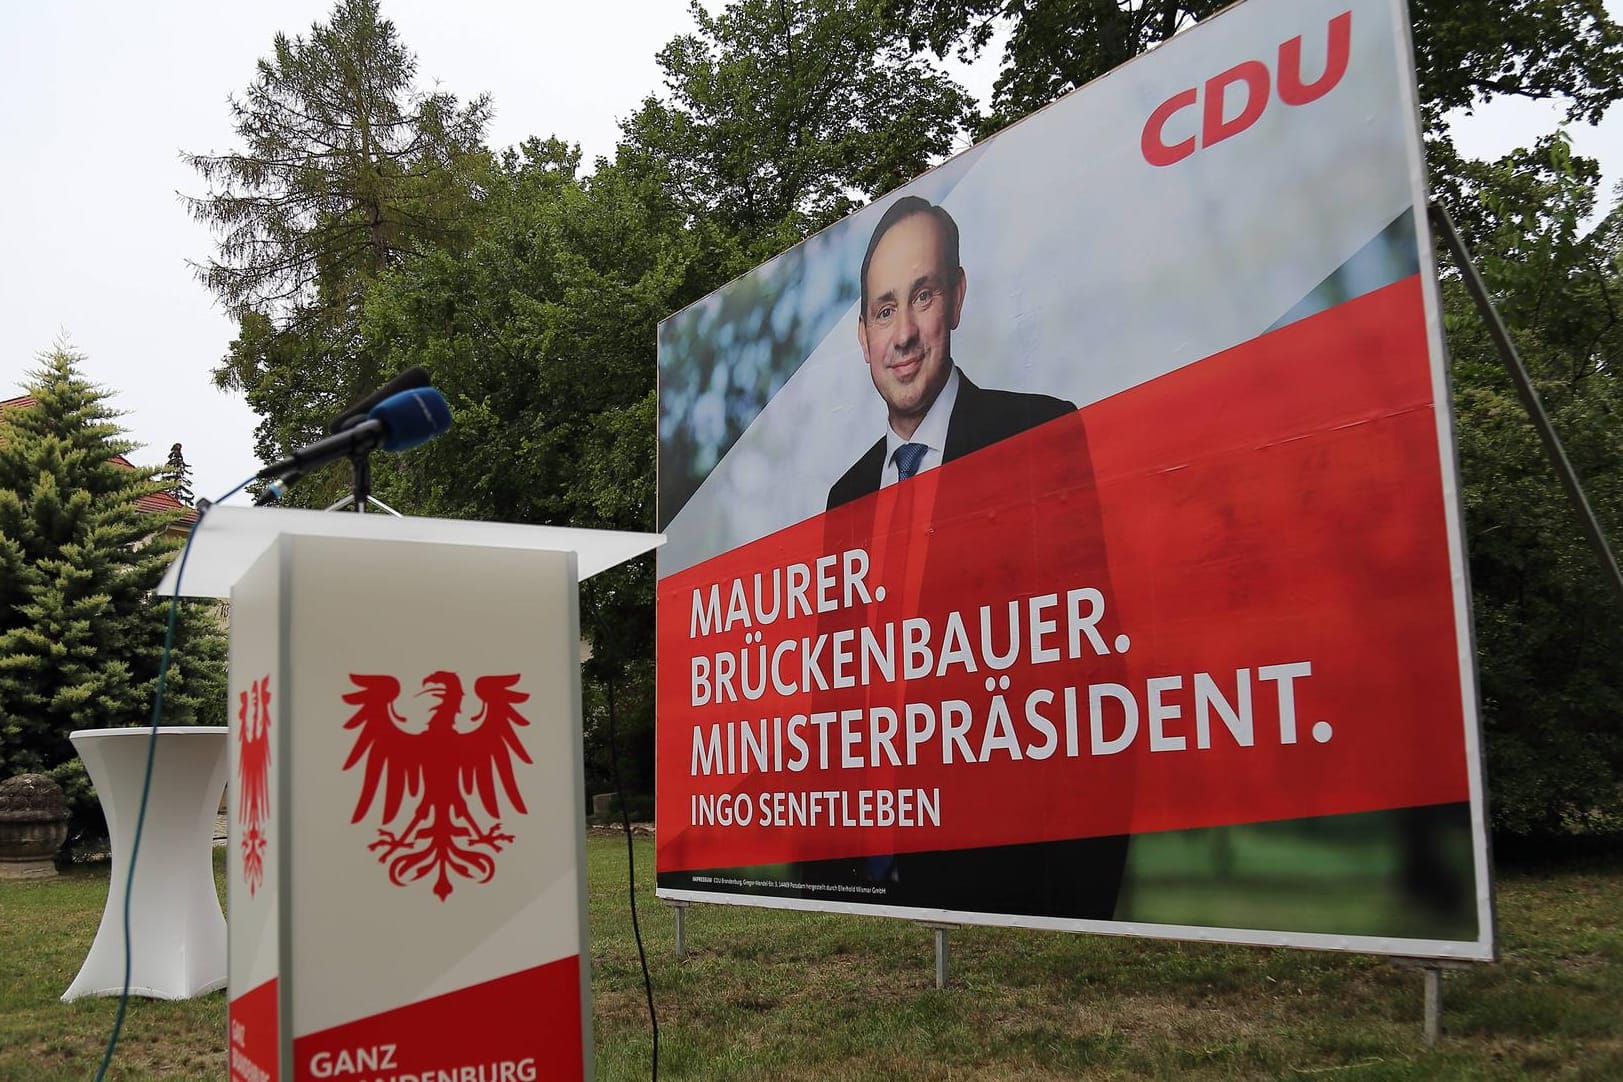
1071, 538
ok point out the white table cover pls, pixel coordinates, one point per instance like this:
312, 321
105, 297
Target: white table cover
177, 930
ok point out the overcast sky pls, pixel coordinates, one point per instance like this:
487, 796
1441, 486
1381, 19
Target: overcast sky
102, 96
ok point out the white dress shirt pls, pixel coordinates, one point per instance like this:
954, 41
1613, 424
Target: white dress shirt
932, 432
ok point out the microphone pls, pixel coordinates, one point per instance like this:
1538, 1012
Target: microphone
398, 423
356, 413
410, 379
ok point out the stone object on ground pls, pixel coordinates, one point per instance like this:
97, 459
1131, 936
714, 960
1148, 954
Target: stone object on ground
33, 826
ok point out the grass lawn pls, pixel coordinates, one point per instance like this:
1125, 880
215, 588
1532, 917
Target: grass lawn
766, 994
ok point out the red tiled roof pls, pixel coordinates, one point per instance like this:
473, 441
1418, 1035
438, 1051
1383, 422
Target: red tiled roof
163, 501
155, 503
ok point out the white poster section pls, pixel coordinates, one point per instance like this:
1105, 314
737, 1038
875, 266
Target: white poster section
407, 891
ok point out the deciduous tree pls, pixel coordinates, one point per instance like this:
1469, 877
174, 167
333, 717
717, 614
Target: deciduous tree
542, 338
783, 115
1549, 637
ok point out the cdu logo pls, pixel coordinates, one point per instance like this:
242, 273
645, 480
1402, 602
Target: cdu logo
1252, 86
253, 778
435, 776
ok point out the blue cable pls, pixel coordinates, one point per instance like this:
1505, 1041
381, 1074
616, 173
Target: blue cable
146, 785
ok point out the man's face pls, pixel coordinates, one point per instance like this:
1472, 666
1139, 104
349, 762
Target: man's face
906, 331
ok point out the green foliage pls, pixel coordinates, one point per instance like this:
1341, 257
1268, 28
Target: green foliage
1053, 46
541, 336
1549, 637
80, 633
344, 171
542, 339
784, 115
617, 694
1469, 53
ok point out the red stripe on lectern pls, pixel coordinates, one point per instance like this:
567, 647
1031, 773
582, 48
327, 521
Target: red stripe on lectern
254, 1040
526, 1025
1274, 505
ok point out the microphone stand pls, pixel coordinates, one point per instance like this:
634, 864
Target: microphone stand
362, 494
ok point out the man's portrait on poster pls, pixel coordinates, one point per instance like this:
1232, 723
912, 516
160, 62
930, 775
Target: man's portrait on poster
913, 292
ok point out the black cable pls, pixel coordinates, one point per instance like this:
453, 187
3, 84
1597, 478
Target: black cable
146, 785
625, 819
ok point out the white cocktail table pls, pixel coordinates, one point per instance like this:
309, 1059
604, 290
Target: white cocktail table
177, 932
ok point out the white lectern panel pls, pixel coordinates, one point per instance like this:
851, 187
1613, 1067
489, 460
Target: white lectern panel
258, 715
230, 539
408, 851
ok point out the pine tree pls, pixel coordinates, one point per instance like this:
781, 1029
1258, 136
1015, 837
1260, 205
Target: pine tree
343, 170
179, 475
81, 634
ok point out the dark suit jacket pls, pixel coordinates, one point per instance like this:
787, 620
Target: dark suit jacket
1074, 878
979, 419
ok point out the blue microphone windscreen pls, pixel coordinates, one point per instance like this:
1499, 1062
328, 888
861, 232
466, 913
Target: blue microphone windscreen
412, 417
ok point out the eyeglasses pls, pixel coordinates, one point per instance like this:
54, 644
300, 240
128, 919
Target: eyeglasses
921, 301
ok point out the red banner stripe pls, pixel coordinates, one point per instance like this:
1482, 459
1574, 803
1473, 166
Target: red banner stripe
524, 1027
1265, 533
255, 1041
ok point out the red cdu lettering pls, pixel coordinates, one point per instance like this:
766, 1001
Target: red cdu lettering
1245, 90
1292, 91
1156, 151
1253, 76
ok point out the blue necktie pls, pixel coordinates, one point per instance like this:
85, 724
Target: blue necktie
907, 458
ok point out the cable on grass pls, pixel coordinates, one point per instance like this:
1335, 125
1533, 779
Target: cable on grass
146, 784
631, 855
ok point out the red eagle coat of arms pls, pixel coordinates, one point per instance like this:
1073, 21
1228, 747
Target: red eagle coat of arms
436, 774
253, 778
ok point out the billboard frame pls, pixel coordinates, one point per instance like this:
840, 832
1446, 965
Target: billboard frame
1483, 947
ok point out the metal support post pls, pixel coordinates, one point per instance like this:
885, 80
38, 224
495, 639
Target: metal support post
941, 931
681, 909
1524, 388
1432, 970
1434, 1004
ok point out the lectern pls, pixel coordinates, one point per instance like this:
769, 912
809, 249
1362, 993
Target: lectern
407, 888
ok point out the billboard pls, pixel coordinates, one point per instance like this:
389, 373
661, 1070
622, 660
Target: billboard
1071, 538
